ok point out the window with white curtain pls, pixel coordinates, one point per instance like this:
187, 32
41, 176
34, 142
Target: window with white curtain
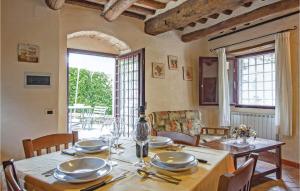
256, 79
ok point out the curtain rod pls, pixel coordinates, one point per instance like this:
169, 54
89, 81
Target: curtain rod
295, 27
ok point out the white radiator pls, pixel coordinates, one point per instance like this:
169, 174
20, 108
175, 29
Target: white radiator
263, 123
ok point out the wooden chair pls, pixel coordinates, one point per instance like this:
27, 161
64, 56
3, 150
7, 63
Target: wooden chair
215, 131
180, 138
48, 141
12, 181
240, 180
210, 133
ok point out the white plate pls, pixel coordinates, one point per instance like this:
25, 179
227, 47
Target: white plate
81, 150
161, 146
164, 167
94, 144
81, 167
158, 140
98, 175
174, 158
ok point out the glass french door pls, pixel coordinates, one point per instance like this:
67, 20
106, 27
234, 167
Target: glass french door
129, 88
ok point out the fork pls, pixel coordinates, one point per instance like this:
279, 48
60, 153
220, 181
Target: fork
49, 172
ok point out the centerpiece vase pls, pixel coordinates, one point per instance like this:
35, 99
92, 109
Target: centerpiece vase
244, 140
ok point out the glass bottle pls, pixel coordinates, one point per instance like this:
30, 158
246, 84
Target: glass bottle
142, 127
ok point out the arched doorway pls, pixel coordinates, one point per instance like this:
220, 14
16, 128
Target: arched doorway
102, 84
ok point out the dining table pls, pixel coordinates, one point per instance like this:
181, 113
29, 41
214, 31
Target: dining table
203, 177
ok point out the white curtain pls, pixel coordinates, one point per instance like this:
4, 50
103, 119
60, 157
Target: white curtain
283, 95
224, 101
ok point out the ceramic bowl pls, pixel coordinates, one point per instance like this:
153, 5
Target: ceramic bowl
159, 141
81, 167
94, 144
174, 158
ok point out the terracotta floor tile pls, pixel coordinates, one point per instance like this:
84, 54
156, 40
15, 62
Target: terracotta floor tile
289, 182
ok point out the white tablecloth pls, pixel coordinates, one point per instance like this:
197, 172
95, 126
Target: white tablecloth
204, 177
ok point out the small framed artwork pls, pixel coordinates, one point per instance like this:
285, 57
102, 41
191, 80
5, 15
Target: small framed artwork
28, 53
187, 73
158, 70
172, 62
37, 80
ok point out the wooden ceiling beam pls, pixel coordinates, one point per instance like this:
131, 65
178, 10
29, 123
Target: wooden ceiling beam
117, 8
141, 10
153, 4
134, 8
242, 19
100, 7
187, 12
55, 4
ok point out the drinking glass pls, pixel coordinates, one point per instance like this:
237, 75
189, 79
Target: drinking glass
116, 132
109, 139
141, 135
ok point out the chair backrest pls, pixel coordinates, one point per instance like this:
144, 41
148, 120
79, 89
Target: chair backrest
240, 180
11, 176
215, 131
47, 142
180, 138
100, 110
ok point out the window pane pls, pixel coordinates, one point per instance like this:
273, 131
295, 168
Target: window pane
260, 77
268, 86
252, 94
251, 61
244, 87
252, 78
260, 86
259, 60
252, 86
260, 68
252, 69
268, 68
268, 77
257, 80
245, 78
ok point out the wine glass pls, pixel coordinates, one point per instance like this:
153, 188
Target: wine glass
116, 133
108, 138
141, 135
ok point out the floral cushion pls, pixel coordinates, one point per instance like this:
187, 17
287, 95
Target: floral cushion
191, 127
188, 122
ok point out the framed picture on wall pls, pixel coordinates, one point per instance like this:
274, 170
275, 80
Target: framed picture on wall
187, 73
158, 70
172, 62
28, 53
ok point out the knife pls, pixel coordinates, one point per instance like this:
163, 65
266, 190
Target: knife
96, 186
202, 161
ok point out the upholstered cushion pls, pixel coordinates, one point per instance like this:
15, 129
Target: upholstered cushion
188, 122
191, 127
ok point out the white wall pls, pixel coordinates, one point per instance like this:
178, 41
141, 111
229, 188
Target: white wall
32, 22
291, 149
91, 44
22, 109
171, 93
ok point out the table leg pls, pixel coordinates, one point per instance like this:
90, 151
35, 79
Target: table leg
278, 163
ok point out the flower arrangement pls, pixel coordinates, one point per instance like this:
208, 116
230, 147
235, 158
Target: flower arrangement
244, 132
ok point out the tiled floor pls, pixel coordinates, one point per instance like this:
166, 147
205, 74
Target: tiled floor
290, 181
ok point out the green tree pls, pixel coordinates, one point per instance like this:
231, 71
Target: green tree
94, 88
